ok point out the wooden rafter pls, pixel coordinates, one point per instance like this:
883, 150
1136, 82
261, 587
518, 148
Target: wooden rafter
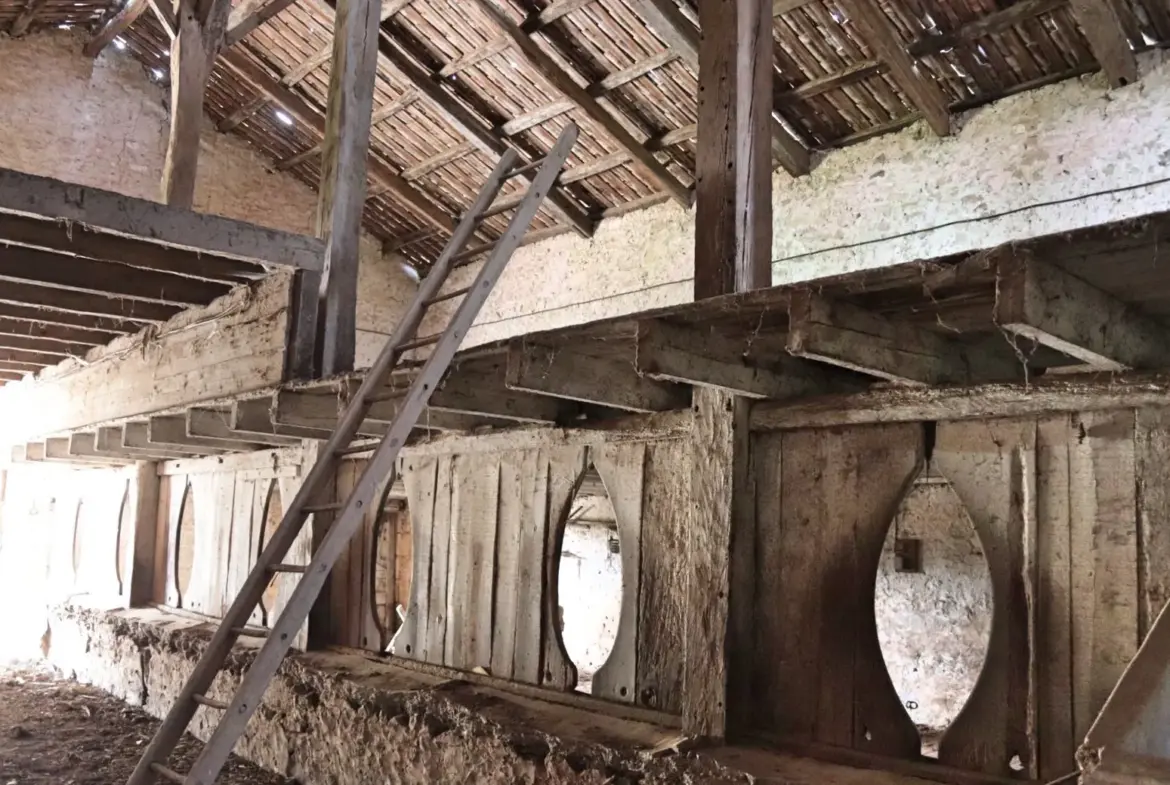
1101, 22
249, 15
877, 31
115, 26
564, 82
983, 26
27, 16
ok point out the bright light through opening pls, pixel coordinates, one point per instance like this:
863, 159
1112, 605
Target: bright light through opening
157, 74
284, 117
120, 43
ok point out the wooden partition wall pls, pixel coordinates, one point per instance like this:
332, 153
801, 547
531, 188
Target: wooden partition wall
1072, 514
488, 529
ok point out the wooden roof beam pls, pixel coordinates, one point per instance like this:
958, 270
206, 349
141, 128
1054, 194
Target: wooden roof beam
250, 14
29, 357
563, 372
27, 16
8, 365
311, 117
61, 450
170, 431
216, 425
565, 83
12, 376
43, 345
76, 339
136, 436
668, 22
989, 24
115, 26
27, 319
877, 31
465, 122
55, 299
1041, 302
110, 441
1101, 23
850, 337
533, 24
703, 358
380, 114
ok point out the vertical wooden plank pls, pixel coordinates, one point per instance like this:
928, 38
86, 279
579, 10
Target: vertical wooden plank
1054, 607
990, 466
321, 617
508, 528
440, 599
477, 485
1152, 445
164, 540
241, 551
756, 707
621, 467
566, 467
528, 650
301, 551
1108, 450
733, 162
145, 496
418, 475
662, 584
179, 490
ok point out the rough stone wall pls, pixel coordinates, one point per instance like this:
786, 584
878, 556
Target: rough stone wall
104, 123
1064, 157
934, 625
334, 719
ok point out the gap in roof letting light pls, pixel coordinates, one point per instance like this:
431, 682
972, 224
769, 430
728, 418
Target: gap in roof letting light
283, 117
120, 43
157, 74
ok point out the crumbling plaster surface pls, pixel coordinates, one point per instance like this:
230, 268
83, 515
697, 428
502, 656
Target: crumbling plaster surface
104, 123
1064, 157
333, 719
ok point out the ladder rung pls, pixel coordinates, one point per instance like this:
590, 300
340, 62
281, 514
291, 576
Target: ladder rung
528, 167
354, 449
389, 395
418, 343
503, 207
287, 568
448, 296
250, 633
331, 507
166, 773
471, 253
203, 700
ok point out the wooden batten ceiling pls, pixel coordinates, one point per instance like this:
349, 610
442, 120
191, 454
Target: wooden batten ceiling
459, 80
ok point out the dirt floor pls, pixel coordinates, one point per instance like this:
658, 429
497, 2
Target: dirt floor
59, 732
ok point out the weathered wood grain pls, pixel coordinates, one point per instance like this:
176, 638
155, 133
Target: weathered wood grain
441, 545
1152, 464
419, 476
509, 524
566, 466
528, 651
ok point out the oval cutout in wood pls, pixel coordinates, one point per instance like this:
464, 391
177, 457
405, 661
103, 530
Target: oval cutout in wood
933, 605
390, 568
184, 551
272, 515
589, 584
122, 552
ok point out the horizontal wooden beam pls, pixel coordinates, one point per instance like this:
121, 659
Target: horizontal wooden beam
1101, 23
75, 339
215, 424
465, 394
850, 337
80, 240
19, 263
21, 367
42, 345
58, 299
111, 441
1043, 303
250, 14
562, 372
136, 436
170, 431
986, 25
707, 359
253, 418
322, 409
42, 320
27, 194
28, 357
1038, 396
81, 446
12, 376
60, 450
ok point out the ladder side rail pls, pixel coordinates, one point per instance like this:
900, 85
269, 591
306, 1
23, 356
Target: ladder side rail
381, 466
208, 666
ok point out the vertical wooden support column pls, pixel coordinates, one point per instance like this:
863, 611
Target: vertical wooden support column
343, 175
201, 26
733, 252
144, 494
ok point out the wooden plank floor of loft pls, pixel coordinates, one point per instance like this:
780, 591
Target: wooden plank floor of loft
123, 226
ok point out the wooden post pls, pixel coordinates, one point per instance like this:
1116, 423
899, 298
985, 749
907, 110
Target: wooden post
144, 491
200, 30
343, 175
733, 253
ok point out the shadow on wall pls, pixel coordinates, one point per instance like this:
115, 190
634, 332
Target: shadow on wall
933, 606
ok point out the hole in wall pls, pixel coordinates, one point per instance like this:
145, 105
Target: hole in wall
933, 605
185, 548
589, 580
273, 513
392, 567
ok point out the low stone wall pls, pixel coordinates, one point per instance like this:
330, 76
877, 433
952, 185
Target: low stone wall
335, 719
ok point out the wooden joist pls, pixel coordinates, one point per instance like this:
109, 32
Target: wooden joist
250, 14
1101, 22
706, 359
877, 31
42, 345
136, 436
80, 240
563, 372
471, 396
114, 280
29, 358
982, 26
27, 16
18, 319
115, 26
105, 211
252, 419
311, 117
60, 450
322, 409
850, 337
214, 424
170, 431
111, 441
1041, 302
564, 82
668, 23
12, 376
56, 299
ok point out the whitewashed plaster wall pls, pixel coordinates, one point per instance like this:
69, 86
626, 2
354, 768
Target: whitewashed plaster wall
1064, 157
104, 123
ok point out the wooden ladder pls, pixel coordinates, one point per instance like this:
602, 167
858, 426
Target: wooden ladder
243, 704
